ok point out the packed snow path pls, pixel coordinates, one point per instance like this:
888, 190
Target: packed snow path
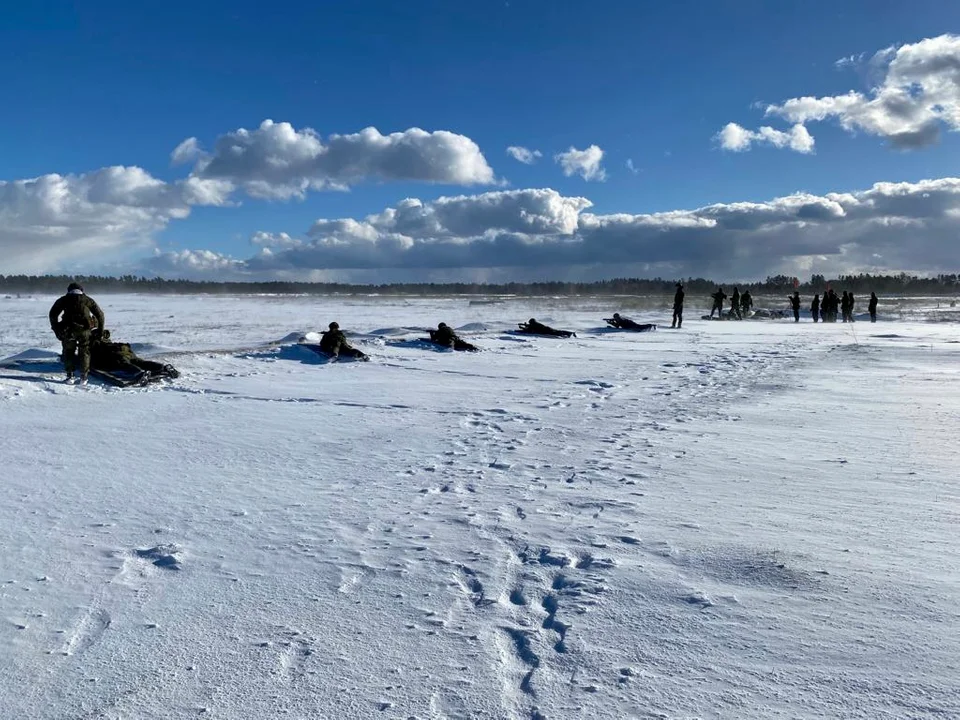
734, 520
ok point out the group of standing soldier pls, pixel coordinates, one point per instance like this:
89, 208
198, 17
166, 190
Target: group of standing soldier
825, 309
740, 305
821, 309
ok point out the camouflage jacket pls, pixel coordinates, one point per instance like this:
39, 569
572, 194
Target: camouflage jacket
80, 312
332, 340
110, 354
444, 336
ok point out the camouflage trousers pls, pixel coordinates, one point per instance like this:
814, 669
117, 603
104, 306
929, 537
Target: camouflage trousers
76, 343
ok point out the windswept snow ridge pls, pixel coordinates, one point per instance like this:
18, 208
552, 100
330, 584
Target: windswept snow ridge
732, 520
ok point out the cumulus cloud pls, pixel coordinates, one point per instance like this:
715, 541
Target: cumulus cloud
585, 163
75, 221
57, 221
918, 95
185, 152
277, 161
274, 240
735, 138
196, 264
524, 155
513, 234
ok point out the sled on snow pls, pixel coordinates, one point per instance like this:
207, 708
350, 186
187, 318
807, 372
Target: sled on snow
143, 373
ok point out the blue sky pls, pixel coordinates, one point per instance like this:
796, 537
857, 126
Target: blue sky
93, 85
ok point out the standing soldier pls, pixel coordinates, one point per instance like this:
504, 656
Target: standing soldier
815, 308
72, 318
718, 297
735, 304
872, 307
746, 303
795, 304
678, 307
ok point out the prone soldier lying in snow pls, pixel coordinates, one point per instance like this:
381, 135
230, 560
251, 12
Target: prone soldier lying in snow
334, 343
117, 358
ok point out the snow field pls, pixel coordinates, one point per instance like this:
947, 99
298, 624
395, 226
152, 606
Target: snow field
733, 520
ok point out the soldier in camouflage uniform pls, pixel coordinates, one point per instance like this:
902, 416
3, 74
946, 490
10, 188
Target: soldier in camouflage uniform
73, 317
113, 356
334, 343
444, 335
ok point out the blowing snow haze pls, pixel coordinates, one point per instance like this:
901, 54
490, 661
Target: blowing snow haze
477, 142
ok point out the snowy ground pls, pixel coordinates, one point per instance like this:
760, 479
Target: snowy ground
734, 520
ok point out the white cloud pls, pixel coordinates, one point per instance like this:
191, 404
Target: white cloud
631, 167
522, 154
850, 61
58, 221
735, 138
196, 264
504, 235
277, 161
585, 163
919, 94
274, 240
186, 152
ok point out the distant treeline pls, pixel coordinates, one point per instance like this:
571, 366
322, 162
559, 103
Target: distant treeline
901, 284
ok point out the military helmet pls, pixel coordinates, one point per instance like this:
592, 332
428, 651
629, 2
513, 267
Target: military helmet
334, 326
74, 286
441, 325
532, 321
616, 316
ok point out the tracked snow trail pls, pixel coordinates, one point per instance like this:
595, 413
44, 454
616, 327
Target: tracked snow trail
727, 521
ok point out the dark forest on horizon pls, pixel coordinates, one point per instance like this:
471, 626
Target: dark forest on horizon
901, 284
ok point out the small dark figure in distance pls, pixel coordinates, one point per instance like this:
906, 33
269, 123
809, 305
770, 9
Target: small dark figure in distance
334, 343
815, 308
678, 307
73, 317
830, 302
851, 304
746, 304
718, 297
444, 335
872, 307
795, 304
120, 361
533, 327
735, 304
844, 306
621, 322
